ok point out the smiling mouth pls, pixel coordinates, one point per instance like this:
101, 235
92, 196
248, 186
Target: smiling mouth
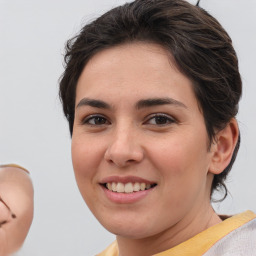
129, 187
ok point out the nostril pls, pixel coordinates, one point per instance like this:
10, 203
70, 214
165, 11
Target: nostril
122, 154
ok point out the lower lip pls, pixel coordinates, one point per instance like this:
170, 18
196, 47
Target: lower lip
126, 198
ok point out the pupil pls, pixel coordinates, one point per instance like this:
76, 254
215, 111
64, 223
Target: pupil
160, 120
99, 120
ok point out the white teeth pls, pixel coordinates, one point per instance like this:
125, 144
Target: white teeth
127, 187
142, 186
148, 186
113, 185
120, 187
136, 187
109, 186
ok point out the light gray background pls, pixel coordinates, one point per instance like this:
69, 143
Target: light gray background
33, 132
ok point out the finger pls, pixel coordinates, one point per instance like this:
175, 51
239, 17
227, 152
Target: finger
5, 214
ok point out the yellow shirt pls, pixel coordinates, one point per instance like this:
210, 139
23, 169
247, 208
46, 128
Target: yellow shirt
202, 242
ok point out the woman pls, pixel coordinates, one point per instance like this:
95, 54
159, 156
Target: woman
16, 207
151, 91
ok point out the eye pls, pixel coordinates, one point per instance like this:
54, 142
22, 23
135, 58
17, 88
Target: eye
95, 120
160, 119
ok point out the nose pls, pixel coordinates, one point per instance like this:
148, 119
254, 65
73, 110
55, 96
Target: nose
124, 148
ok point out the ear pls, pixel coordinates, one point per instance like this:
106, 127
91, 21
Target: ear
223, 147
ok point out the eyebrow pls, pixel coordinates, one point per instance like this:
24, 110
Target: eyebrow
158, 101
140, 104
93, 103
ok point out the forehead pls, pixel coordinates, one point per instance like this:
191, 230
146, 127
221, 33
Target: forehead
131, 70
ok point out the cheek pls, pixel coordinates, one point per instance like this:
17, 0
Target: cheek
183, 171
85, 157
83, 165
180, 159
170, 156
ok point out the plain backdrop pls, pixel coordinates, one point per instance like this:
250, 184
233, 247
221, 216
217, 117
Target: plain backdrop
34, 133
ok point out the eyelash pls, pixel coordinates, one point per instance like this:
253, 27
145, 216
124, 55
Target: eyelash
93, 117
163, 117
168, 119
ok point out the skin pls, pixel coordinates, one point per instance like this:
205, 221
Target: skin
17, 192
127, 140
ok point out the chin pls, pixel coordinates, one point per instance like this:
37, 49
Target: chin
132, 228
129, 232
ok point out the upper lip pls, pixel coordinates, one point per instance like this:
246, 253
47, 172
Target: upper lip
125, 179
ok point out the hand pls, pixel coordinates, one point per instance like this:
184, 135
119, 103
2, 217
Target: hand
5, 213
16, 208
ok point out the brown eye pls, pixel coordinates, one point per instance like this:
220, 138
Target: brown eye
96, 120
160, 119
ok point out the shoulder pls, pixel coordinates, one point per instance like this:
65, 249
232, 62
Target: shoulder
111, 250
239, 241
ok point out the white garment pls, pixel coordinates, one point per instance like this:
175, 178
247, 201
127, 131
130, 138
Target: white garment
239, 242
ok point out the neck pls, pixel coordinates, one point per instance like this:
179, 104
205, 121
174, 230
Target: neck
183, 230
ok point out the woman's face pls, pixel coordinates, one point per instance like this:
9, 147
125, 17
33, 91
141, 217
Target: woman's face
139, 144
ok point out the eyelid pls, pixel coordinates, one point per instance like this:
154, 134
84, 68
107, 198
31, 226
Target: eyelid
168, 117
89, 117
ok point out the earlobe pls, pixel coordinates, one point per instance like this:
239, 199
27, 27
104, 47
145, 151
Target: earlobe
224, 146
